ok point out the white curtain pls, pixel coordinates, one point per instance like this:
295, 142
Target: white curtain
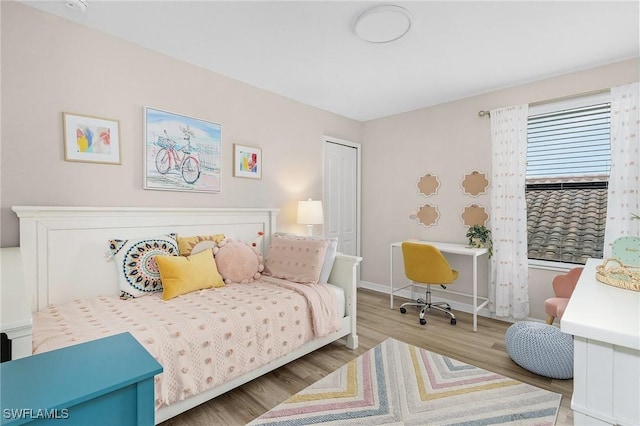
508, 290
623, 198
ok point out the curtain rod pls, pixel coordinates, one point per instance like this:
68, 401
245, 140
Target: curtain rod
484, 113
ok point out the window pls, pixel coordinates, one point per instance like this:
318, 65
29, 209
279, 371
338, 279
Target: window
568, 163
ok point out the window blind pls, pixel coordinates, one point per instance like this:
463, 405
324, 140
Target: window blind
571, 142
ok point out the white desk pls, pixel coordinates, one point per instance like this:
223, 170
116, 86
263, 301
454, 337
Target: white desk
450, 248
605, 323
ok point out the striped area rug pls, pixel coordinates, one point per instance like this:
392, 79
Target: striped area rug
399, 384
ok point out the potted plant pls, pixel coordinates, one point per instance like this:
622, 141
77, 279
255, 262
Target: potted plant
480, 236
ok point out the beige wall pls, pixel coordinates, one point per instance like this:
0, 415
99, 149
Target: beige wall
449, 140
50, 65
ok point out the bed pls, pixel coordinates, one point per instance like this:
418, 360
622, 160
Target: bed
67, 266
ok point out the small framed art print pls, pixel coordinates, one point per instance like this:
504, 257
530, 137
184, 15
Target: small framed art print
91, 139
247, 161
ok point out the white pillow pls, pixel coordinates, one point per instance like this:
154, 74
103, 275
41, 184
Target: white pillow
329, 258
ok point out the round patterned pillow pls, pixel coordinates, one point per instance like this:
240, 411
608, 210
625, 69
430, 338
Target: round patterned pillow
138, 272
238, 262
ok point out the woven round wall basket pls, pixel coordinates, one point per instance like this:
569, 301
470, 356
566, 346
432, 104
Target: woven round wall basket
618, 275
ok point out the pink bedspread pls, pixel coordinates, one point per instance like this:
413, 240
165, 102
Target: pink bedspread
202, 339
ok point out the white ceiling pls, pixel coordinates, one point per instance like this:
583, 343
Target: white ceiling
307, 51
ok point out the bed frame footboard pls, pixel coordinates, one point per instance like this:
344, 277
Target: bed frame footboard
345, 274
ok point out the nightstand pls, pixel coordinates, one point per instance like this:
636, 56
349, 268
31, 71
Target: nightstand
108, 381
15, 315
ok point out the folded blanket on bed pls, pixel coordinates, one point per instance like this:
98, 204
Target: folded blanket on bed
204, 338
322, 303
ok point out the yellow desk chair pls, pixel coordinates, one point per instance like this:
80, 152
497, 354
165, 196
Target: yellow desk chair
424, 264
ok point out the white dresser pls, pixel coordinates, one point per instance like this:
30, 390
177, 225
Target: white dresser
605, 321
15, 314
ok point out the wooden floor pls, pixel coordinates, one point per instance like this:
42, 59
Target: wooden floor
376, 322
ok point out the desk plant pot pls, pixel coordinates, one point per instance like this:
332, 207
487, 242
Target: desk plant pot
479, 236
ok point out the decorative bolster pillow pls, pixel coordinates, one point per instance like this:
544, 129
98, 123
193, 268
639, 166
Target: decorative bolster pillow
197, 243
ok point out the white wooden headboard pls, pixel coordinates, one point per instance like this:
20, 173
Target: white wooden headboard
64, 248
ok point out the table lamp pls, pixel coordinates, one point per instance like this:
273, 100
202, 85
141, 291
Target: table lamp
310, 213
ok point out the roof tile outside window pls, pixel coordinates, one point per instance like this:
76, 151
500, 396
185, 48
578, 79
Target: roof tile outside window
566, 225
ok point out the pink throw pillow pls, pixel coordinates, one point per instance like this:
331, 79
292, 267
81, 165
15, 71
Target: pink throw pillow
238, 262
297, 260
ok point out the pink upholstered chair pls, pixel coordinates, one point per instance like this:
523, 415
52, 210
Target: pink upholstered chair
563, 286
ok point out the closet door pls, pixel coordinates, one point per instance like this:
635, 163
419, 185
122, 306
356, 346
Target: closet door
342, 194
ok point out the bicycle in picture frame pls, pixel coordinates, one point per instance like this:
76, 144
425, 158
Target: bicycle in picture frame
169, 158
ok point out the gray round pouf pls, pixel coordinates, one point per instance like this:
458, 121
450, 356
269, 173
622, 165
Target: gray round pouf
540, 348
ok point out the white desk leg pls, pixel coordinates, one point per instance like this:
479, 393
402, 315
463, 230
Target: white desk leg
475, 293
391, 274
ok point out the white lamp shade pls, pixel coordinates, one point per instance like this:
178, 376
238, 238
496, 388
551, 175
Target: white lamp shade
310, 212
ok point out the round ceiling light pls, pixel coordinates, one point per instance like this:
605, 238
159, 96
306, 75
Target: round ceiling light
382, 24
80, 5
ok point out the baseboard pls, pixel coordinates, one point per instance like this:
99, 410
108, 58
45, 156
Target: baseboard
455, 305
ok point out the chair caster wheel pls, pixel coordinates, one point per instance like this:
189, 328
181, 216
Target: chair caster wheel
423, 321
453, 321
403, 311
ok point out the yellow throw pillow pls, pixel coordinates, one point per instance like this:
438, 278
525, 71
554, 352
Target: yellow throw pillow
182, 275
197, 243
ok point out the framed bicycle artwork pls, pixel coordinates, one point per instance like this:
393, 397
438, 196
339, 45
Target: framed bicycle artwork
91, 139
181, 153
